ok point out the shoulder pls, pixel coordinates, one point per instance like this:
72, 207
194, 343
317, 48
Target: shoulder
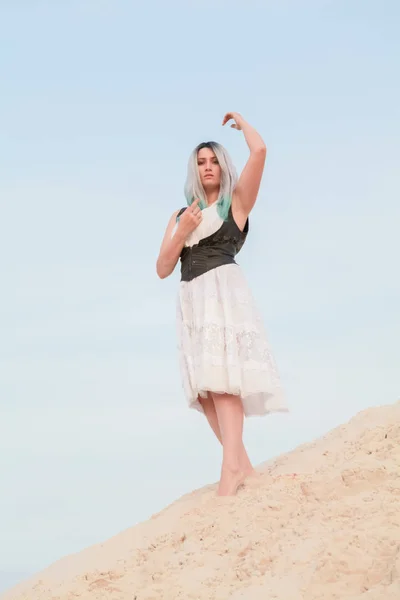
174, 216
178, 213
172, 221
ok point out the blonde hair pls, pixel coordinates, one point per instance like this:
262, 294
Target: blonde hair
194, 188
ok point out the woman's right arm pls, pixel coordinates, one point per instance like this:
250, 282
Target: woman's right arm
171, 249
172, 245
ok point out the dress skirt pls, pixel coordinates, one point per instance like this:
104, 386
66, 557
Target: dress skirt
222, 344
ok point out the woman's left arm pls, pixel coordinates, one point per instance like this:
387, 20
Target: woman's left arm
250, 179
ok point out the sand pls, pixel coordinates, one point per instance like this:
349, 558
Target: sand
321, 522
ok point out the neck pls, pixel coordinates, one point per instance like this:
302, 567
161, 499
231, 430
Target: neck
212, 196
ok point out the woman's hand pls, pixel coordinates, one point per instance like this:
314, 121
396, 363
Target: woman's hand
236, 117
190, 218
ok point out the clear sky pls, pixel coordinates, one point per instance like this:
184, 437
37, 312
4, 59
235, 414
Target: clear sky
101, 103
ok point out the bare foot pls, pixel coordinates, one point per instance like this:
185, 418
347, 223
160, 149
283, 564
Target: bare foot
230, 480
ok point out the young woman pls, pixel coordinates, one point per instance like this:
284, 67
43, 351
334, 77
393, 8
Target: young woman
226, 364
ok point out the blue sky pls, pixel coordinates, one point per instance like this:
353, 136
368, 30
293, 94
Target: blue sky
100, 106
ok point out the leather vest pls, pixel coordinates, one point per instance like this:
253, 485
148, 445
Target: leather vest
215, 250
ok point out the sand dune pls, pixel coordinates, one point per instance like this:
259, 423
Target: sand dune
321, 522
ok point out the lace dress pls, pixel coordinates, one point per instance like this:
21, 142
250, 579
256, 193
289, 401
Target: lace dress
221, 339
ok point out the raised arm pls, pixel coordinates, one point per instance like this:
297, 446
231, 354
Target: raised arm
247, 188
172, 245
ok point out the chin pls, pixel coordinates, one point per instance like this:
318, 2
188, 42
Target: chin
210, 183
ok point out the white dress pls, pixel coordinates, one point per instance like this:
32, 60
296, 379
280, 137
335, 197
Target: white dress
221, 339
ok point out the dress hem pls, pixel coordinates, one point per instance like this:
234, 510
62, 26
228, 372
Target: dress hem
262, 410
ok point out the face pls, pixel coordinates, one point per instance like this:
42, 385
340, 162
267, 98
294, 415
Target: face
209, 169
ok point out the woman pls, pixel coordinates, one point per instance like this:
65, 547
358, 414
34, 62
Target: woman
226, 364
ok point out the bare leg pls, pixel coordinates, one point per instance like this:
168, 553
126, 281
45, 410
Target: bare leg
209, 411
229, 410
211, 414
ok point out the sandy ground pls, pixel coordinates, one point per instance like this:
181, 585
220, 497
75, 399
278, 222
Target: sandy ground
319, 523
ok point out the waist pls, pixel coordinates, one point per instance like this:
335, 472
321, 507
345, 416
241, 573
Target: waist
197, 260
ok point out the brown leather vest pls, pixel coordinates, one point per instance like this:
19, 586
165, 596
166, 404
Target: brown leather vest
215, 250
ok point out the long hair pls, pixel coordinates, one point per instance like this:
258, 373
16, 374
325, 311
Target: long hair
194, 188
